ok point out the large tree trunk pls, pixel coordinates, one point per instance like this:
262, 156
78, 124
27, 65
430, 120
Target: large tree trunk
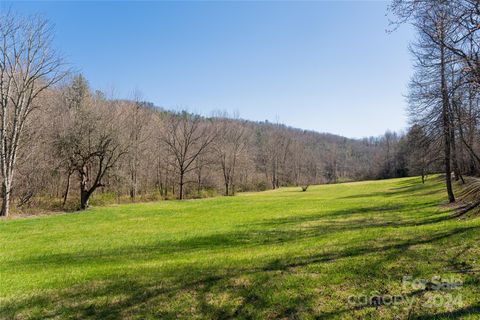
84, 193
448, 170
446, 127
83, 197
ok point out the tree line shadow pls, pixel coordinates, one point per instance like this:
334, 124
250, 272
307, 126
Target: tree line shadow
368, 211
270, 232
403, 188
473, 310
141, 296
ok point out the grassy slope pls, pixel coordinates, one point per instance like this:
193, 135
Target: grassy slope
274, 254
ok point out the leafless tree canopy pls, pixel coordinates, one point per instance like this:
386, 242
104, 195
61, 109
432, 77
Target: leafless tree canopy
444, 89
28, 66
187, 139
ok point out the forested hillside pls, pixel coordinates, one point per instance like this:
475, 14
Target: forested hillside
81, 143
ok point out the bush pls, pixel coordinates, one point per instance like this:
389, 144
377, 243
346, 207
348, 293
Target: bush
104, 198
204, 193
261, 186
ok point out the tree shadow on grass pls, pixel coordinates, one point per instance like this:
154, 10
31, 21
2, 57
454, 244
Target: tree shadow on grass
188, 290
347, 216
401, 188
269, 232
397, 192
473, 310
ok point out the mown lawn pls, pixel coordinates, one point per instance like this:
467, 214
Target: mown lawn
276, 254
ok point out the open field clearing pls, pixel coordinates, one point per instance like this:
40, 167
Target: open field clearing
274, 254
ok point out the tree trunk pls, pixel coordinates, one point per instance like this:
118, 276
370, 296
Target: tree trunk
199, 182
180, 191
6, 190
471, 133
448, 170
84, 193
83, 200
446, 127
133, 187
133, 175
456, 170
471, 164
67, 189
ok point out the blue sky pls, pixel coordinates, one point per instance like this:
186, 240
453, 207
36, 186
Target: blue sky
326, 66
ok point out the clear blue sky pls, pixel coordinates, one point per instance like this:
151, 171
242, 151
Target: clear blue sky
326, 66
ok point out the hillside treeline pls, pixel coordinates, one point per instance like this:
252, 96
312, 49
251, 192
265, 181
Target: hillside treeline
79, 143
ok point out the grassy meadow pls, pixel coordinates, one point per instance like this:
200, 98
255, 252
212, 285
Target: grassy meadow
277, 254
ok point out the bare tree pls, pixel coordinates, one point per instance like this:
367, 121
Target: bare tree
186, 137
451, 31
273, 145
137, 123
431, 87
202, 168
440, 31
88, 141
28, 66
231, 143
74, 97
420, 152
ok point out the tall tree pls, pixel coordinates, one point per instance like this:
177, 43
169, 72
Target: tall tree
439, 24
231, 143
186, 137
430, 88
28, 66
138, 135
88, 141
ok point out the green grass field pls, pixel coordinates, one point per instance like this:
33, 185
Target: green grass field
275, 254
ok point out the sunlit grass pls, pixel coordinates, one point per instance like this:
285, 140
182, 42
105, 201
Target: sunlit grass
275, 254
